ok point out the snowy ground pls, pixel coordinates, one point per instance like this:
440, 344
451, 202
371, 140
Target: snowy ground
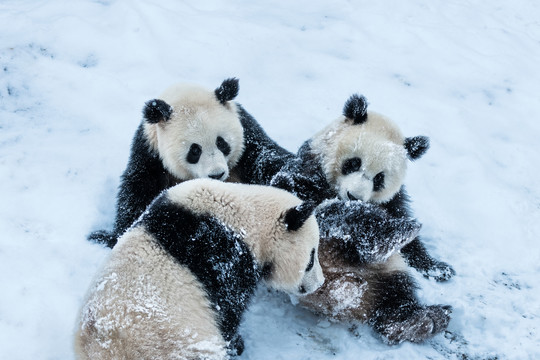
75, 75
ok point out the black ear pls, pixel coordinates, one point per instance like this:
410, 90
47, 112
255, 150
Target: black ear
157, 110
416, 146
227, 91
296, 217
356, 109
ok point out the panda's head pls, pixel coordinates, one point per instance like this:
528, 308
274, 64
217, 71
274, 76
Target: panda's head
364, 155
293, 259
196, 132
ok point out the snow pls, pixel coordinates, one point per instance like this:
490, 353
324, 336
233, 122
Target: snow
75, 76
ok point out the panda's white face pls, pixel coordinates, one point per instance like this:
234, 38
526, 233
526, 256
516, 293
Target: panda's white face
202, 138
371, 168
364, 162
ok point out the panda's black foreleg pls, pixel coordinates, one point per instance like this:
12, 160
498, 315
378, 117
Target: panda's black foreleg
236, 346
417, 257
398, 316
103, 237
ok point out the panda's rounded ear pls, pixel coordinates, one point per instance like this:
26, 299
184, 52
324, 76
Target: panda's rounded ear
227, 91
356, 109
295, 217
157, 110
416, 146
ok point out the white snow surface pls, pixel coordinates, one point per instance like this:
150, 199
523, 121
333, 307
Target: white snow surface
75, 76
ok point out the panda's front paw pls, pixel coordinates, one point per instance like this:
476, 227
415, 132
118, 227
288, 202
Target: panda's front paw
236, 346
440, 271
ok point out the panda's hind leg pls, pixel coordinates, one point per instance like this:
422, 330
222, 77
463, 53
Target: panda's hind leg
398, 316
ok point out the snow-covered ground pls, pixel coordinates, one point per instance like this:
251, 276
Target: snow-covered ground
74, 78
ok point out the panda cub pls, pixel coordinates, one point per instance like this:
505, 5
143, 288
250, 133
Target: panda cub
363, 157
178, 281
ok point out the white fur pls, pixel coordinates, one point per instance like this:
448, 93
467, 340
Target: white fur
378, 143
143, 304
198, 117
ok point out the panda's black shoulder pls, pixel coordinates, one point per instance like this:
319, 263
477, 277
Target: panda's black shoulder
143, 179
262, 157
214, 253
400, 204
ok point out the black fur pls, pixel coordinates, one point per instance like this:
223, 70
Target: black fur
304, 177
398, 316
364, 232
264, 162
227, 91
415, 253
356, 109
297, 216
143, 179
216, 255
262, 156
157, 110
416, 146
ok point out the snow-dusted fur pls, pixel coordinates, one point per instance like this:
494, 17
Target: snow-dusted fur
176, 284
363, 157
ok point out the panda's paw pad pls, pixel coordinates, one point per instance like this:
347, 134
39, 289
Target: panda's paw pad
440, 271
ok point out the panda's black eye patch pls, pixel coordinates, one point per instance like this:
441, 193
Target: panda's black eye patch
378, 182
311, 261
223, 146
194, 153
351, 165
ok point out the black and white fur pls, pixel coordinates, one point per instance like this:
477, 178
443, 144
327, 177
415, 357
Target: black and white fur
363, 156
178, 281
190, 132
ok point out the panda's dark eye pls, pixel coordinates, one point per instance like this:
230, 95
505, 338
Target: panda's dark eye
311, 261
351, 165
378, 182
223, 146
194, 154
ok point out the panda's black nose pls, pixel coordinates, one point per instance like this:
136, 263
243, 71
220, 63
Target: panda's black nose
351, 196
217, 176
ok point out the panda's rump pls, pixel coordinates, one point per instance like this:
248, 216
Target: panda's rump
144, 303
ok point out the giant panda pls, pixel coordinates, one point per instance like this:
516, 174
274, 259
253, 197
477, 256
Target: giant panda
177, 282
190, 132
363, 156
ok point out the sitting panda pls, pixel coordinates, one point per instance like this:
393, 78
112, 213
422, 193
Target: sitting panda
188, 133
363, 156
178, 281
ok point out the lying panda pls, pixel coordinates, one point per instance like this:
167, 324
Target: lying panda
188, 133
363, 156
176, 284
